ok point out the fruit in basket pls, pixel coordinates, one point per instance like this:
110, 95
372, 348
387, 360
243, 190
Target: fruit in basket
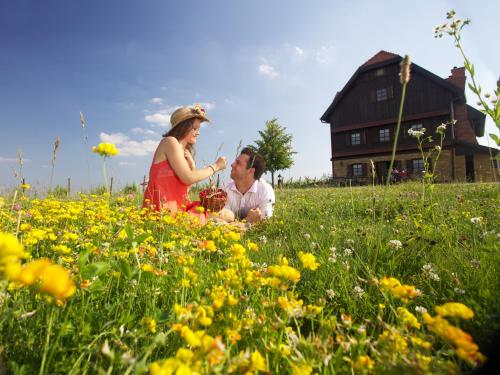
213, 199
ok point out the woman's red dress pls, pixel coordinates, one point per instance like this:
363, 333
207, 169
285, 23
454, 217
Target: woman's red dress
166, 190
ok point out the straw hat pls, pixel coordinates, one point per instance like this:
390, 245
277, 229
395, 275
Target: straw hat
185, 113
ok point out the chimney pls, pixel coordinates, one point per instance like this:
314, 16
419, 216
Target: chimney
457, 77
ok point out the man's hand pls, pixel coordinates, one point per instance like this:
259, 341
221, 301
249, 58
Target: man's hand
254, 215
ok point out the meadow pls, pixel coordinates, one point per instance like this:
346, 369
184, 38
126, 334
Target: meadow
374, 279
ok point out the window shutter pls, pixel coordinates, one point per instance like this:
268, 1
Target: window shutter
390, 92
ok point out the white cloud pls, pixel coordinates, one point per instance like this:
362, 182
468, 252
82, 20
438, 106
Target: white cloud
8, 160
158, 118
116, 138
299, 51
157, 100
127, 163
325, 54
144, 132
228, 101
267, 70
130, 147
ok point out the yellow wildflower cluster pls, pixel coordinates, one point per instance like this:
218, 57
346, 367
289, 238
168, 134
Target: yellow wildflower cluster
105, 149
454, 310
52, 278
398, 290
462, 342
408, 318
308, 261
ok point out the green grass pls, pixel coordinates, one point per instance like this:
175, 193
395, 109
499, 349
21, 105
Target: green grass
347, 229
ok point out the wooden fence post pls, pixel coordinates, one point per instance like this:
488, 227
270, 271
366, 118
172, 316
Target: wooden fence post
143, 184
69, 186
111, 187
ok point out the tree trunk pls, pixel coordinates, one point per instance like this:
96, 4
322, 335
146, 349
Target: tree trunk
272, 179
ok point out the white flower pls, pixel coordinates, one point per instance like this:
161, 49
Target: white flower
321, 227
395, 244
347, 252
429, 272
459, 291
307, 236
358, 290
420, 309
263, 239
349, 242
314, 244
441, 129
476, 220
330, 293
437, 148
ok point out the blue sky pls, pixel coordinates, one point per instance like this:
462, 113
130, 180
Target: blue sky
127, 64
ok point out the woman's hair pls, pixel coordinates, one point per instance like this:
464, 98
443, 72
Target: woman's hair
180, 131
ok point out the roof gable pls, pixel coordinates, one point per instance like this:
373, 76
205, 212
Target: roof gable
384, 58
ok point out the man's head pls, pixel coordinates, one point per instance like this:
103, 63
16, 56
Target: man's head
248, 166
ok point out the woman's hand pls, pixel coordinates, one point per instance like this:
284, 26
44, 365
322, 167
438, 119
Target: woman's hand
221, 163
189, 159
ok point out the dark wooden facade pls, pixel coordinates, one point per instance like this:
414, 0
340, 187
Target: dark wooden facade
363, 117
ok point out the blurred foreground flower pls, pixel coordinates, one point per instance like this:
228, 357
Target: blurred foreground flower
11, 253
106, 150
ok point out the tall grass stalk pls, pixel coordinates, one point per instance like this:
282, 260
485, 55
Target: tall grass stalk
57, 142
404, 78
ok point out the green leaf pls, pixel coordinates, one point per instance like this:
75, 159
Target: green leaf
95, 269
141, 237
130, 232
83, 258
125, 268
495, 138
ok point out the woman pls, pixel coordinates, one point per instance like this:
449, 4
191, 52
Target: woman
173, 168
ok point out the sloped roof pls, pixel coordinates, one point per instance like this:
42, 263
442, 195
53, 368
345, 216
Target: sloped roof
379, 57
384, 58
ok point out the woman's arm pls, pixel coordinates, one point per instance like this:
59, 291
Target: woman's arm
176, 159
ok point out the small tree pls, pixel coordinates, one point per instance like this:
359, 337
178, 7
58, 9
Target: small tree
275, 146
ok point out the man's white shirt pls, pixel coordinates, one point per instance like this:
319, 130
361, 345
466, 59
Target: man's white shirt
260, 195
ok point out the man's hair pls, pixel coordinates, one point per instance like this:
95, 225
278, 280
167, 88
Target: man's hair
254, 161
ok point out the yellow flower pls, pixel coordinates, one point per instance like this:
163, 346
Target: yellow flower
308, 260
454, 310
24, 186
150, 324
363, 362
398, 290
408, 318
302, 369
11, 253
56, 281
257, 362
105, 149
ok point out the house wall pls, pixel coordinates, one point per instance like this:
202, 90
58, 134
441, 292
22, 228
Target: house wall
482, 168
443, 171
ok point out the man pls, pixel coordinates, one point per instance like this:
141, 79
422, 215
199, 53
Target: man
249, 197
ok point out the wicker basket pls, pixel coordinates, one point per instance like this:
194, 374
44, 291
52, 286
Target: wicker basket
213, 201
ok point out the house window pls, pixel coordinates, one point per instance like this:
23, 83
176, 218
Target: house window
416, 127
417, 165
384, 135
379, 72
381, 94
357, 169
355, 139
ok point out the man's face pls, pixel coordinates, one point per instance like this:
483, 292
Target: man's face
239, 169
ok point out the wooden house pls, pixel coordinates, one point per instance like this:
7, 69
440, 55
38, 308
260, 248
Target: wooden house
363, 118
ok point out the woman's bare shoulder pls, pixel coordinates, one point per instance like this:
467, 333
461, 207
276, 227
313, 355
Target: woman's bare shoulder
169, 142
